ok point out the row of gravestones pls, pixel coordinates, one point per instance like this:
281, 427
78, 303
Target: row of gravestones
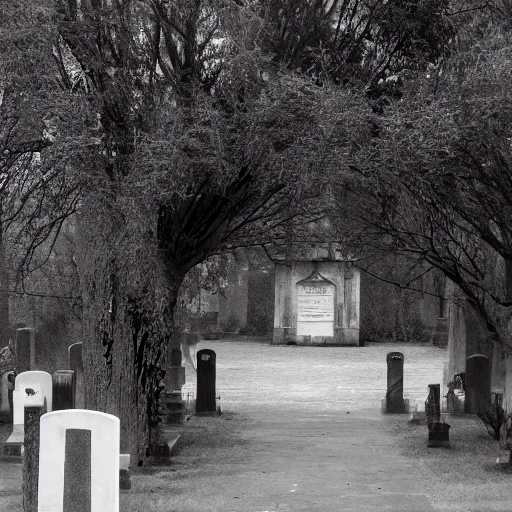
25, 362
477, 385
80, 468
477, 399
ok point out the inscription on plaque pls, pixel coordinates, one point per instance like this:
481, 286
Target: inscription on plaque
315, 309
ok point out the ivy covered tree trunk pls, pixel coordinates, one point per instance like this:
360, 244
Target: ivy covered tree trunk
127, 325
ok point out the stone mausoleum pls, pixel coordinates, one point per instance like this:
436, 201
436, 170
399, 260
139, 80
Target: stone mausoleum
317, 301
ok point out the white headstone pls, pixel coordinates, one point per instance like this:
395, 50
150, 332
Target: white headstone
84, 469
30, 380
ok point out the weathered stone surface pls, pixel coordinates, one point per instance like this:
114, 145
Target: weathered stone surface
31, 458
79, 461
395, 383
206, 376
478, 384
63, 390
439, 435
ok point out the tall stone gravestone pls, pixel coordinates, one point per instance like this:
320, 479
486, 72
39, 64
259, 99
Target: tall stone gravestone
79, 462
395, 393
76, 364
25, 348
63, 390
478, 384
205, 398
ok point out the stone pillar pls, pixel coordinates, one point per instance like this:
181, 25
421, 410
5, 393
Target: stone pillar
206, 375
395, 392
456, 336
64, 386
77, 366
478, 384
25, 348
283, 330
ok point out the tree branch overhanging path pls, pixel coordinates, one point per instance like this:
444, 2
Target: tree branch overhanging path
183, 129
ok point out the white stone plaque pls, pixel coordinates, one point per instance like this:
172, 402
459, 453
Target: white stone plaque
315, 309
100, 486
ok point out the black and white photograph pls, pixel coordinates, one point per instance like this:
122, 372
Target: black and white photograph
255, 255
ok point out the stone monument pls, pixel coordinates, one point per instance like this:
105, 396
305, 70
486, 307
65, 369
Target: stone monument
395, 391
79, 462
206, 375
316, 303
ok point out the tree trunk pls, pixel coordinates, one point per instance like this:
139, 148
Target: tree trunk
127, 324
4, 293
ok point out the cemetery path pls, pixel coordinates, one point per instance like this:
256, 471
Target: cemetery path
301, 430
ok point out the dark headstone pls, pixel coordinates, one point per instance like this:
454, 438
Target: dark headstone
205, 399
76, 364
439, 435
395, 393
175, 357
63, 390
77, 471
23, 348
478, 384
433, 405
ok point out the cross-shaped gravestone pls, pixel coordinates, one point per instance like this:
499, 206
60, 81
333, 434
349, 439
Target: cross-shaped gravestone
79, 462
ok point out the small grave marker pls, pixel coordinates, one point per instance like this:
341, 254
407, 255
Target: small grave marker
79, 462
433, 405
439, 435
63, 390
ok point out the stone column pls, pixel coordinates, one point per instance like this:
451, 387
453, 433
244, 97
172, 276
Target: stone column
478, 384
206, 368
395, 392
